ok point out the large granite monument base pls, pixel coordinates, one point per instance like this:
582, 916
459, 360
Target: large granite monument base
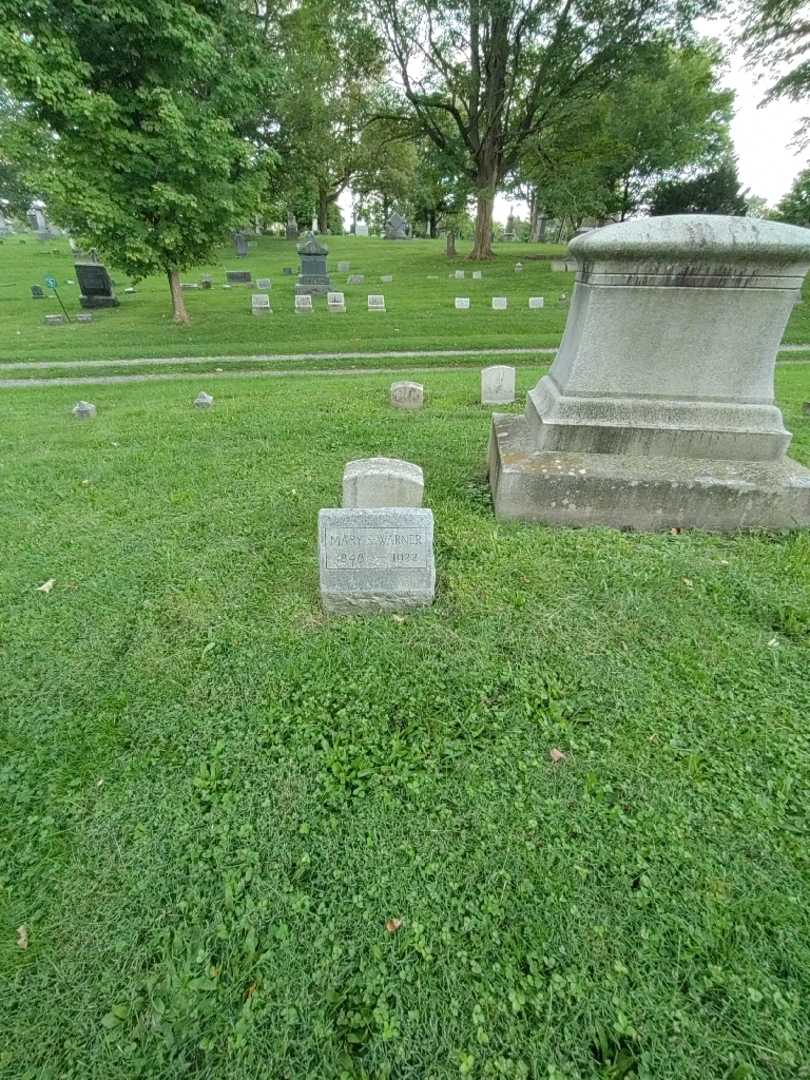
658, 410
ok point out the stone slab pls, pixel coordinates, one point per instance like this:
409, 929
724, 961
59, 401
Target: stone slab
376, 302
336, 302
407, 395
382, 481
239, 277
536, 302
303, 303
643, 493
376, 560
499, 303
84, 410
498, 385
462, 303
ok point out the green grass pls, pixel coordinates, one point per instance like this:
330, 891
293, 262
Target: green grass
420, 312
213, 798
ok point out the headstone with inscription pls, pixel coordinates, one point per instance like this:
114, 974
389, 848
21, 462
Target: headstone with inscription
239, 277
37, 292
535, 302
459, 275
407, 395
264, 284
95, 285
240, 243
386, 279
382, 481
356, 279
84, 317
335, 302
376, 560
260, 304
303, 304
462, 303
313, 278
54, 320
84, 410
361, 229
343, 267
292, 226
498, 385
499, 303
376, 302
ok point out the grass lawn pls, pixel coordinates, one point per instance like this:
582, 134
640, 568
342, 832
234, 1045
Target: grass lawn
213, 798
419, 304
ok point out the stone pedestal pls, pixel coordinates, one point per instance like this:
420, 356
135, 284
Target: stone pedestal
658, 410
313, 279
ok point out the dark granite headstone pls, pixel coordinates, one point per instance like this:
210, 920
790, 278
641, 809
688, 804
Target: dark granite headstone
240, 243
239, 277
37, 292
95, 285
313, 278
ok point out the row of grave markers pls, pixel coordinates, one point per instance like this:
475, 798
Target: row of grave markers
336, 302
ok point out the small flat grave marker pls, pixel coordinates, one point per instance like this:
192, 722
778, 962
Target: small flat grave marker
518, 268
355, 279
387, 278
462, 303
260, 303
287, 271
459, 275
477, 275
376, 302
535, 302
335, 302
54, 320
84, 410
239, 277
264, 283
37, 292
84, 316
499, 303
407, 395
303, 304
498, 385
203, 400
343, 267
374, 560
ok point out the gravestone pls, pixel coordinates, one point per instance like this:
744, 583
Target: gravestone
377, 559
563, 265
287, 271
477, 275
54, 320
498, 385
343, 267
806, 408
518, 268
658, 411
459, 275
396, 227
313, 278
356, 279
37, 292
382, 481
361, 229
376, 302
303, 304
292, 227
239, 277
407, 395
240, 243
95, 285
186, 286
462, 303
264, 283
335, 302
260, 304
535, 302
206, 281
499, 303
203, 400
129, 289
386, 279
84, 317
84, 410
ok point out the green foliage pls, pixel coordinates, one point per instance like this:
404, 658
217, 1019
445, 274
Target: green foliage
144, 117
715, 192
776, 37
795, 206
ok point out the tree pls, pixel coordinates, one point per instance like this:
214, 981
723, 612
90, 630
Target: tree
776, 36
140, 123
794, 208
716, 192
503, 70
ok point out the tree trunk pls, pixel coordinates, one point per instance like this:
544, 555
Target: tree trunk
451, 244
534, 217
432, 224
482, 245
179, 313
541, 228
323, 210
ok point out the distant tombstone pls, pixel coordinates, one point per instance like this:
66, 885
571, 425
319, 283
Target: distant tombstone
54, 320
361, 229
356, 279
396, 228
462, 303
292, 227
376, 560
6, 228
239, 277
518, 268
535, 302
386, 279
459, 275
287, 271
313, 278
129, 289
477, 275
382, 481
499, 303
563, 265
407, 395
37, 292
186, 286
240, 243
84, 410
498, 385
343, 267
335, 302
509, 232
36, 219
206, 281
260, 304
303, 304
95, 286
84, 317
376, 302
203, 400
264, 283
806, 408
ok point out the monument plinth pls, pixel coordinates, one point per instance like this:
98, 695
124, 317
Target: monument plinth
659, 410
313, 278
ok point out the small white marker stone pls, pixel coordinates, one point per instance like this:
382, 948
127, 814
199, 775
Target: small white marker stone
84, 410
462, 303
499, 303
203, 400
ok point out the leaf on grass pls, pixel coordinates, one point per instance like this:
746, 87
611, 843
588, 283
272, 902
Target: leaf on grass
46, 586
676, 531
688, 582
392, 925
556, 755
398, 618
22, 937
251, 990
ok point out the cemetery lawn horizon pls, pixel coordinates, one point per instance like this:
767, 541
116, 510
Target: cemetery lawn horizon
419, 304
553, 827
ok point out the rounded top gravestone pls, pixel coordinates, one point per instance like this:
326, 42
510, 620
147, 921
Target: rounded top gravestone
382, 481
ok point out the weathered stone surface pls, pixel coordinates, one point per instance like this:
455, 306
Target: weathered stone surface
462, 303
203, 400
264, 284
313, 278
343, 267
535, 302
291, 229
667, 364
361, 229
336, 302
499, 303
396, 228
356, 279
376, 560
382, 481
84, 317
260, 304
303, 304
240, 243
477, 275
407, 395
84, 410
563, 265
37, 292
54, 320
376, 302
459, 275
518, 268
239, 277
498, 385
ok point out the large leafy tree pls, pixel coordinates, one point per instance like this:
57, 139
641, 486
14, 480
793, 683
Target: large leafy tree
715, 192
502, 70
795, 206
139, 118
776, 37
